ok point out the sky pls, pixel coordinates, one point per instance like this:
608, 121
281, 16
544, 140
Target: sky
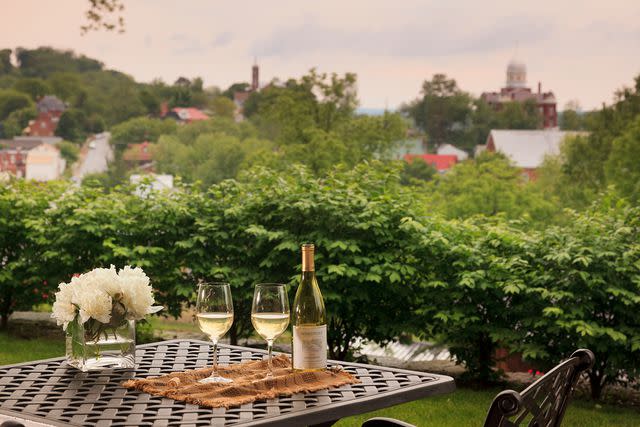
580, 50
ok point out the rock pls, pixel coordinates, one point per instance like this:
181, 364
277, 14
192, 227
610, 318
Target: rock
30, 324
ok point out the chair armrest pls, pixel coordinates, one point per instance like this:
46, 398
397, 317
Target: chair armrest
385, 422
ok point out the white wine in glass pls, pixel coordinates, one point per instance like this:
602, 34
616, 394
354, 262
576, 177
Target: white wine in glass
214, 313
270, 313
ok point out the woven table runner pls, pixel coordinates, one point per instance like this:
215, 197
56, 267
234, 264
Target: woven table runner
249, 383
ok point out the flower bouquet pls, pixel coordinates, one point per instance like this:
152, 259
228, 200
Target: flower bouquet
98, 311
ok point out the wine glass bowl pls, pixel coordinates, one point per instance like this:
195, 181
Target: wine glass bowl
270, 313
214, 315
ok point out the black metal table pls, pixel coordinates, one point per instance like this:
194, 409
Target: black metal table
50, 392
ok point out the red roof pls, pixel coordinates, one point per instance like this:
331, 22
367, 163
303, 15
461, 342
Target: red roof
190, 114
441, 162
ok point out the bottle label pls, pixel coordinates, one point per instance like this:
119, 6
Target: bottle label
310, 347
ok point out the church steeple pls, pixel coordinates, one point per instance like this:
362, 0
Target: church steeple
255, 75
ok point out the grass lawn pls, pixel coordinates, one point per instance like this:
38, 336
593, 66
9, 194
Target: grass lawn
467, 407
14, 350
464, 407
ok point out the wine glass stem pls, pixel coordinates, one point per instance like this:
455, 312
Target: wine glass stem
269, 365
215, 359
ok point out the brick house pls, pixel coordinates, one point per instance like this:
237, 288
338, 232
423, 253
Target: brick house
50, 108
13, 156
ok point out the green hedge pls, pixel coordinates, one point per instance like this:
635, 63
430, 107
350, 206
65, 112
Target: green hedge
385, 268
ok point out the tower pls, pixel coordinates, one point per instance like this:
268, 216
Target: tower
516, 74
255, 76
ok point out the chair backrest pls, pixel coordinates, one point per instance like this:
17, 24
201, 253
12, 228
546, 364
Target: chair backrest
543, 403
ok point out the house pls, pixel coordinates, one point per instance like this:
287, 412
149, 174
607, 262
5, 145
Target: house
448, 149
44, 163
50, 108
517, 91
138, 155
13, 155
527, 148
410, 146
186, 115
441, 162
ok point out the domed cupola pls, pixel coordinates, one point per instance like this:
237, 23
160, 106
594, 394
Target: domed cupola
516, 74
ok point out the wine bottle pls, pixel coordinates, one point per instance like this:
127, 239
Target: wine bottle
309, 319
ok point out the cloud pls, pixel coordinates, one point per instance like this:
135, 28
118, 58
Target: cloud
437, 38
222, 39
184, 44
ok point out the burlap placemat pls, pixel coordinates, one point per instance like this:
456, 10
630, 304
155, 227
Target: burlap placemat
249, 383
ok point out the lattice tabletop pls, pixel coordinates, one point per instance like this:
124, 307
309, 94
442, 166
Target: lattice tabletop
51, 392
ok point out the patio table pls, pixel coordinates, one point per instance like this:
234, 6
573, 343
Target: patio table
51, 393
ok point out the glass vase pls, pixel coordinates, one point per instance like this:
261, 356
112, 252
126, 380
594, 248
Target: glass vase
94, 346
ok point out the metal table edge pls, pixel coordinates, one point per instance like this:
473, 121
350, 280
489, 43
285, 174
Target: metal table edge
445, 384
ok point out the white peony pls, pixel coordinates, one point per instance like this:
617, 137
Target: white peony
137, 294
103, 293
94, 303
63, 309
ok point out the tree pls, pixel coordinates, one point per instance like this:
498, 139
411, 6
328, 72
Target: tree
622, 168
150, 101
223, 107
236, 87
141, 129
519, 115
69, 151
72, 125
44, 61
6, 67
489, 185
17, 121
12, 100
34, 87
571, 118
417, 171
442, 111
585, 275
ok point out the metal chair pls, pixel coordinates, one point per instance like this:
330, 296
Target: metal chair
542, 404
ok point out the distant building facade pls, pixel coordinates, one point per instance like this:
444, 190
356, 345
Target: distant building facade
186, 115
516, 90
50, 108
138, 155
240, 97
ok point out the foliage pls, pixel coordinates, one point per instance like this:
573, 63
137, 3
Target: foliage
417, 171
72, 125
6, 67
44, 61
69, 151
12, 100
442, 110
585, 277
622, 168
17, 121
223, 107
104, 15
141, 129
489, 185
34, 87
21, 202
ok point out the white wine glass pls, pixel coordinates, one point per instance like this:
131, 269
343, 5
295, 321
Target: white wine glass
270, 314
214, 312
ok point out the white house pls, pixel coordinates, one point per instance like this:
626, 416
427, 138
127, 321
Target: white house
44, 163
527, 148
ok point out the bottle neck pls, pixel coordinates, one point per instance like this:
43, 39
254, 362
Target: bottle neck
307, 262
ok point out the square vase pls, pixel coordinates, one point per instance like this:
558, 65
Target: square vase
100, 346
